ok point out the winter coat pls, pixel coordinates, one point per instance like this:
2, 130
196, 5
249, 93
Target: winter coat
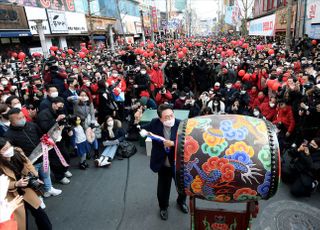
119, 133
285, 117
268, 112
161, 98
27, 138
29, 195
156, 78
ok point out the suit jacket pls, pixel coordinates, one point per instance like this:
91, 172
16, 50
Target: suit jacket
29, 195
158, 153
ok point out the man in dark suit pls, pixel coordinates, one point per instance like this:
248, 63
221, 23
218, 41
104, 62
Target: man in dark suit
162, 157
69, 93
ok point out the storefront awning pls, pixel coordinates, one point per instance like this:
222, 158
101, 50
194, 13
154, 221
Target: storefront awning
14, 34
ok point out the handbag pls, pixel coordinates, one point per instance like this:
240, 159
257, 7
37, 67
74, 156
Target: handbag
126, 149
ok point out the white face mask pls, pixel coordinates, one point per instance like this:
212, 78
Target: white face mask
169, 123
88, 83
9, 152
143, 72
256, 113
271, 104
19, 106
183, 98
54, 94
4, 82
110, 123
216, 104
228, 86
242, 91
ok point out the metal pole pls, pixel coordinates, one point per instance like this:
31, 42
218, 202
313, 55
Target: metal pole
142, 25
152, 28
121, 23
42, 38
288, 30
90, 23
167, 16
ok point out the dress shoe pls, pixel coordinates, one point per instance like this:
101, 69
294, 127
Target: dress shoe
183, 207
163, 214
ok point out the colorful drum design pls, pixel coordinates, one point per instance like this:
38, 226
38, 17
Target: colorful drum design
227, 158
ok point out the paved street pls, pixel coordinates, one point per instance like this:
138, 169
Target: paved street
95, 200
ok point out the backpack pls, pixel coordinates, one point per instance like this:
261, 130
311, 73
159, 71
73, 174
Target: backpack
126, 149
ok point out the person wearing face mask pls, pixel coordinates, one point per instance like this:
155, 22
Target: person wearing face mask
257, 113
141, 81
304, 172
216, 105
70, 93
14, 102
228, 92
17, 167
162, 157
46, 119
179, 103
269, 109
52, 92
156, 78
4, 119
112, 135
27, 135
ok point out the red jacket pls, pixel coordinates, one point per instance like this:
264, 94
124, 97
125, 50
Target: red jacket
157, 79
258, 102
162, 98
285, 116
268, 112
121, 87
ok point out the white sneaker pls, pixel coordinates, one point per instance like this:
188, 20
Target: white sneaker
64, 181
42, 205
52, 192
104, 161
68, 174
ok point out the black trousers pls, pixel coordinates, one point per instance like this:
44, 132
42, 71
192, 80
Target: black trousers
165, 176
40, 217
56, 167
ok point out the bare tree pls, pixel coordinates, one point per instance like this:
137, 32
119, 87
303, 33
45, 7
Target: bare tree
247, 5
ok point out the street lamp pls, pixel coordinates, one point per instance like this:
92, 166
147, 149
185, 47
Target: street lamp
41, 36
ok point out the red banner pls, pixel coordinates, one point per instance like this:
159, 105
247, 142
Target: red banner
154, 19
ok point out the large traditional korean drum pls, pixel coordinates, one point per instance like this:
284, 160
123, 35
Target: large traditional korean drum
227, 158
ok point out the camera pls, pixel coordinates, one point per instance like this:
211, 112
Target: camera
67, 122
34, 183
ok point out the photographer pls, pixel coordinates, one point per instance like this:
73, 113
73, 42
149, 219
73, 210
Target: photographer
304, 168
163, 96
46, 119
24, 182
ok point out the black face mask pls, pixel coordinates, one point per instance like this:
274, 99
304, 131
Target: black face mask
60, 111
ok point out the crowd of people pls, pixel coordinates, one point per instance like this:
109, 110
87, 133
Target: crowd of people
93, 92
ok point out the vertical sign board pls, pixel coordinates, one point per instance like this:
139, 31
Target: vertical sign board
154, 19
34, 13
57, 21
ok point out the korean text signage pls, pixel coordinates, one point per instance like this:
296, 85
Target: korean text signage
262, 26
154, 19
13, 17
76, 23
36, 13
57, 21
65, 5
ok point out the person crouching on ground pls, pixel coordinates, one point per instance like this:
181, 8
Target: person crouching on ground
112, 135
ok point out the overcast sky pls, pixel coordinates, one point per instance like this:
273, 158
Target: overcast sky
204, 8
